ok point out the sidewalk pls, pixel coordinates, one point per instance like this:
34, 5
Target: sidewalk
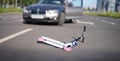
12, 16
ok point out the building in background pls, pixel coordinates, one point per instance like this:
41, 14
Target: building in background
108, 5
117, 6
100, 5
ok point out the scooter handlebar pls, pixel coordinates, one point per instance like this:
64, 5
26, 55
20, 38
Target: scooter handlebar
84, 28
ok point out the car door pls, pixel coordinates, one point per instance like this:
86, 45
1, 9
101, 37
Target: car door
73, 8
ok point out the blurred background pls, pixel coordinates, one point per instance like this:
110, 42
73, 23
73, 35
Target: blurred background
88, 5
107, 8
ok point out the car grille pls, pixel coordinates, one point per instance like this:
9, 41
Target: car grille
36, 12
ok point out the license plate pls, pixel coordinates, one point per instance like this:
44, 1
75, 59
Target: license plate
35, 16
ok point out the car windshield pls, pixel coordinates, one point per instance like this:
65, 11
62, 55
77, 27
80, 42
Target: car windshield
59, 2
74, 3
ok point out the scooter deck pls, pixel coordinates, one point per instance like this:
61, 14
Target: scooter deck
55, 43
50, 41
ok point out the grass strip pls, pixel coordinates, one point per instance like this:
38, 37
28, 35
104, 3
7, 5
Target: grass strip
10, 10
105, 14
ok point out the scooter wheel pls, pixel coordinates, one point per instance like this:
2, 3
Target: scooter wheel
67, 48
41, 39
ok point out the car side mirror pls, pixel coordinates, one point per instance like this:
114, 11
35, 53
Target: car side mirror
70, 4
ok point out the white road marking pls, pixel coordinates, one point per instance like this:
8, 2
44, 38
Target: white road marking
85, 22
105, 21
19, 20
15, 35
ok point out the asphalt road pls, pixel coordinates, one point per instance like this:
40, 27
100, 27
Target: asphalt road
18, 40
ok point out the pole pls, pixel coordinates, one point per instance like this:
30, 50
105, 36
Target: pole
81, 3
16, 3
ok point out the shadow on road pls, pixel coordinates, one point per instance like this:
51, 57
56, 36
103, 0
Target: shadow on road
48, 23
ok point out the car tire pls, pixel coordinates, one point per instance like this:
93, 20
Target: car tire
68, 21
61, 19
27, 21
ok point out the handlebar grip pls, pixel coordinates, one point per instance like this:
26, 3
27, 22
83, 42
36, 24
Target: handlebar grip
84, 29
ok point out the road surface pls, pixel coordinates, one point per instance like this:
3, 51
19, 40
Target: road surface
18, 40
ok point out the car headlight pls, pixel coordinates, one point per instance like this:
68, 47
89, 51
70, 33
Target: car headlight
26, 11
51, 11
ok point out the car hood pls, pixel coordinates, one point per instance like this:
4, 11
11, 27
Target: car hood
44, 7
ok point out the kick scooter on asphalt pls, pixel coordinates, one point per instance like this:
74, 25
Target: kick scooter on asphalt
63, 45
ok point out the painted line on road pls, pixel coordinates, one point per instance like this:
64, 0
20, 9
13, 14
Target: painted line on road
84, 22
108, 22
15, 35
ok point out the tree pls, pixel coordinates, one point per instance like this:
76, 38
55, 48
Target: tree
16, 3
1, 3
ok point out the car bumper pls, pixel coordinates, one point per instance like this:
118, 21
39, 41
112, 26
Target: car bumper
40, 17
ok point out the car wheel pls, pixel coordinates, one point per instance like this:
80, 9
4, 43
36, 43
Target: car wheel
61, 19
27, 21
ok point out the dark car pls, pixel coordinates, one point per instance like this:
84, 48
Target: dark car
53, 11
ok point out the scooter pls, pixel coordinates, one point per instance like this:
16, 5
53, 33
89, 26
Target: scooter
63, 45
